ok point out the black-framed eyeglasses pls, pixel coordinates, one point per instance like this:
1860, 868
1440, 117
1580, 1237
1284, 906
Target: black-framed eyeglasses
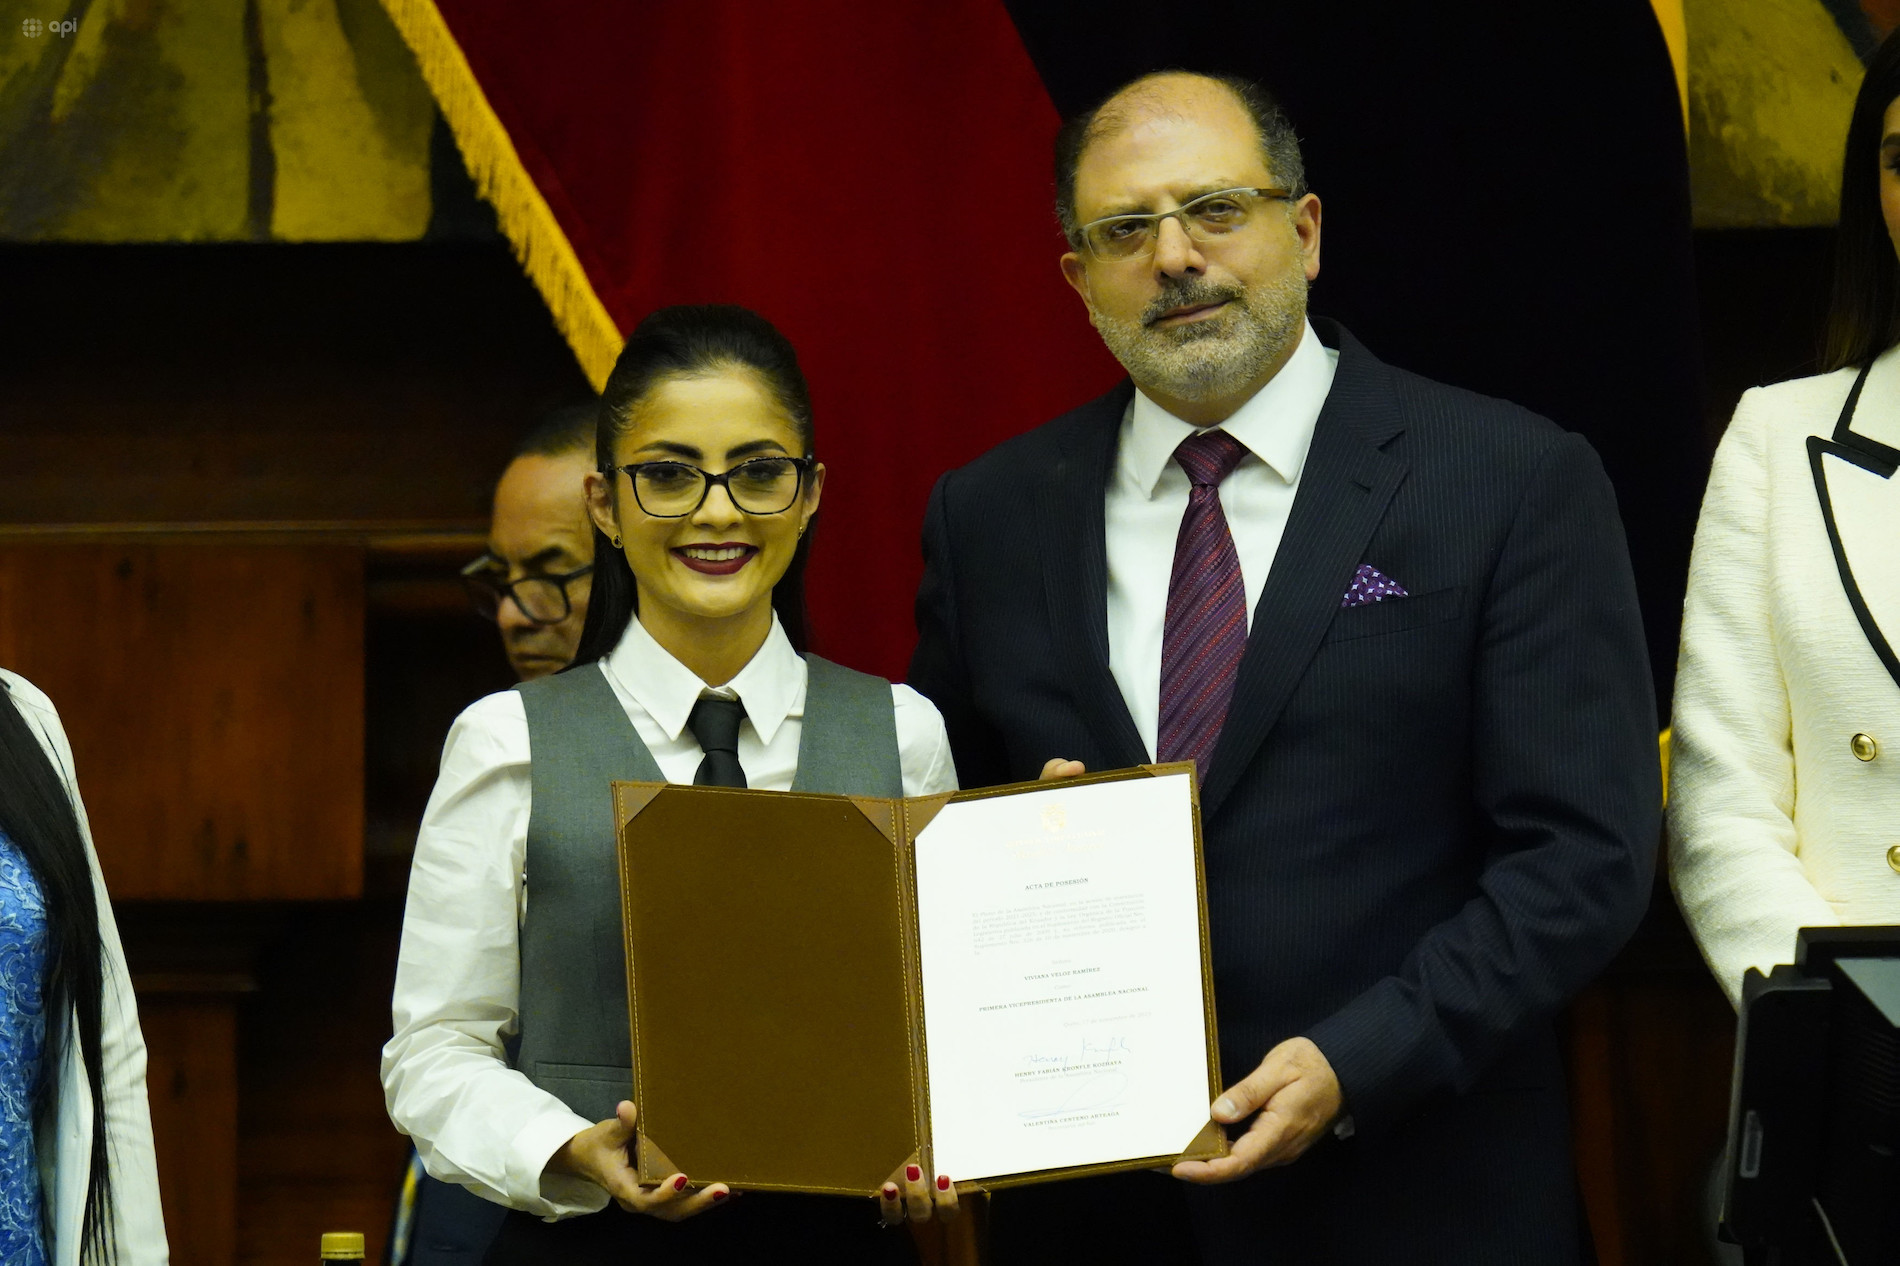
542, 599
759, 485
1205, 219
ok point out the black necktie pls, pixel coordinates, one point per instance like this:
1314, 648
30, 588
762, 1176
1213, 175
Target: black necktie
715, 723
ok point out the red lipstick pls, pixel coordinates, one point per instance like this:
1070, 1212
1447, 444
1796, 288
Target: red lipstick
719, 564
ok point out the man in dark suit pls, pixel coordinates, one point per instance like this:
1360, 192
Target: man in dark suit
1394, 625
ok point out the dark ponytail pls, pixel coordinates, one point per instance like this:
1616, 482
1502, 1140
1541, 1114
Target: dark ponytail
689, 342
37, 815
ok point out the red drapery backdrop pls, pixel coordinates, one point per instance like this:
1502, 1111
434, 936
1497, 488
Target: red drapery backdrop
874, 178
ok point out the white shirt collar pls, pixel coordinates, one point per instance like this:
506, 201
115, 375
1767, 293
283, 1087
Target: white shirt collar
1275, 425
771, 684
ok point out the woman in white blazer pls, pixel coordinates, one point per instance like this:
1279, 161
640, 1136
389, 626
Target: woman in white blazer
1784, 789
97, 1197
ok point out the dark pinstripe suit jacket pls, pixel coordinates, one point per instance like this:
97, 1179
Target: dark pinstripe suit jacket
1428, 820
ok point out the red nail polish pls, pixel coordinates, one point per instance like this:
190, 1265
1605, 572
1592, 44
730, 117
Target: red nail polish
943, 1182
679, 1184
718, 1196
890, 1191
912, 1173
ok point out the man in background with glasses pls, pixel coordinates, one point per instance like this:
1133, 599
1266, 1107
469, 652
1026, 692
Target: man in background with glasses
1394, 627
533, 580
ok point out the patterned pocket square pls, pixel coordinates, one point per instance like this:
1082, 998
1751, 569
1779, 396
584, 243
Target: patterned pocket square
1369, 584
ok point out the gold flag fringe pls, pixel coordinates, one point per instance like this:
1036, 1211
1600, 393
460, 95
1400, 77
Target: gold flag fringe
543, 249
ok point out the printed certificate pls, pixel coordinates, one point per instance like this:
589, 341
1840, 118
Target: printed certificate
1060, 939
1007, 985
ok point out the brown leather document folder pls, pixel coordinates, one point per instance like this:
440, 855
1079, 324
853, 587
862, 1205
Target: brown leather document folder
775, 987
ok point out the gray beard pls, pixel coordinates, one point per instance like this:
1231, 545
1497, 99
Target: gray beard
1209, 359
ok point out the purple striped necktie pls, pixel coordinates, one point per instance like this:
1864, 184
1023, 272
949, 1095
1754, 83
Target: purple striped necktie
1205, 631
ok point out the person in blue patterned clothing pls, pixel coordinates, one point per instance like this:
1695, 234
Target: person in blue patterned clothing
78, 1180
22, 1044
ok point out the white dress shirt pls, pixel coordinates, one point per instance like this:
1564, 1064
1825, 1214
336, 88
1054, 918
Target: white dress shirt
474, 1120
1148, 495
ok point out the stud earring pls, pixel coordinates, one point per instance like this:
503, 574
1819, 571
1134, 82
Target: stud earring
616, 540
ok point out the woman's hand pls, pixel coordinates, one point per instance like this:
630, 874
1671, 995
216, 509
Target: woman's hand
917, 1200
599, 1154
1059, 768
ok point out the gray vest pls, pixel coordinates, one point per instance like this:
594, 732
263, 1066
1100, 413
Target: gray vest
575, 1040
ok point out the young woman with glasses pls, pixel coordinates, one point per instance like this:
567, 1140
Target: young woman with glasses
688, 670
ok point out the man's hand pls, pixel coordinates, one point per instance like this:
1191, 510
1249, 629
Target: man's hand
1298, 1099
1059, 768
599, 1154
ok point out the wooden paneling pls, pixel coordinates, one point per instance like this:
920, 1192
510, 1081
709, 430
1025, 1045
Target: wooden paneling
192, 1081
167, 384
1650, 1048
427, 657
316, 1149
214, 697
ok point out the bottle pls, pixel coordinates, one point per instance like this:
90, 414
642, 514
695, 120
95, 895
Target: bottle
341, 1246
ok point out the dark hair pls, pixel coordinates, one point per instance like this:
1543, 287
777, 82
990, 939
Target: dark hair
37, 815
691, 341
1863, 318
560, 432
1279, 146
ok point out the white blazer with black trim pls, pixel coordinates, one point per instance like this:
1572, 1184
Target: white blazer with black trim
65, 1141
1784, 805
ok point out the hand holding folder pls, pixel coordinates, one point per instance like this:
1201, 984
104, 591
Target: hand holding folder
828, 992
603, 1155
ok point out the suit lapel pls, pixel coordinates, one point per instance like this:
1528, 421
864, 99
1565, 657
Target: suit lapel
1860, 503
1345, 486
1075, 573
